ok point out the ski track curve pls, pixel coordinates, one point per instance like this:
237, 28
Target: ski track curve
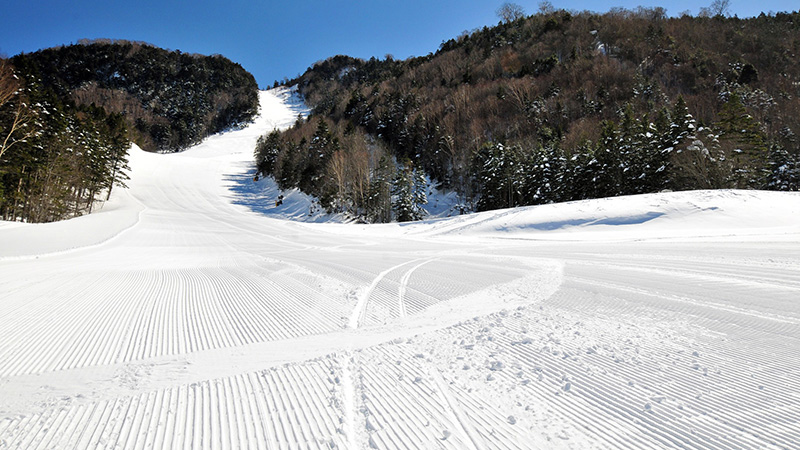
203, 324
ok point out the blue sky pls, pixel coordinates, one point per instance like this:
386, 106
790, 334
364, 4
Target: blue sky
274, 39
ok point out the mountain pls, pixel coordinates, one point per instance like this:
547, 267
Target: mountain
72, 111
554, 107
171, 99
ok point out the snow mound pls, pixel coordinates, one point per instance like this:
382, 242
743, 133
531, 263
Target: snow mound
109, 220
687, 214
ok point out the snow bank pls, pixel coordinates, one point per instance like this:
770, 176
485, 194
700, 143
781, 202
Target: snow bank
109, 220
689, 214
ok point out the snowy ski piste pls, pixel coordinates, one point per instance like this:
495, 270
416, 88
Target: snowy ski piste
191, 312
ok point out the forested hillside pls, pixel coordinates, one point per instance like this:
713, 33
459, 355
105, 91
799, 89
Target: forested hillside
68, 115
553, 107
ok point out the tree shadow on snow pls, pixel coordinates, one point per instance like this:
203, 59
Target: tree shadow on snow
620, 220
264, 197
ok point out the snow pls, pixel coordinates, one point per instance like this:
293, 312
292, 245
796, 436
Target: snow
669, 215
191, 312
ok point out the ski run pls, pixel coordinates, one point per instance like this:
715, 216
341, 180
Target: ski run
187, 314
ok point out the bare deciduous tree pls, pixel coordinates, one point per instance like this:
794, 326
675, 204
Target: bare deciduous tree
717, 8
19, 125
545, 7
509, 12
8, 82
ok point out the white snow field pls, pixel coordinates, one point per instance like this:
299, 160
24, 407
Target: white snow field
184, 314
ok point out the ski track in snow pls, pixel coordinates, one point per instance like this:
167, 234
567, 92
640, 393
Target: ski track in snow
178, 317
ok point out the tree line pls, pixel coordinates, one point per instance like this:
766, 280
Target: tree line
566, 105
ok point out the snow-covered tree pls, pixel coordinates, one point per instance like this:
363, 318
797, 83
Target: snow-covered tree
607, 165
784, 170
408, 191
743, 143
498, 169
267, 150
379, 194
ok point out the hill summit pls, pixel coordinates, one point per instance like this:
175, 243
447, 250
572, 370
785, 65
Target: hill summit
552, 107
68, 115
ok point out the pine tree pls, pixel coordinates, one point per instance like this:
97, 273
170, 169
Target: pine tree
420, 196
286, 165
743, 143
316, 156
540, 175
499, 175
632, 154
266, 154
379, 197
578, 167
607, 165
402, 193
784, 170
408, 191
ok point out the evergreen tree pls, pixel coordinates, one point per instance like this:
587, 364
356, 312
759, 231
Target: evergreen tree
632, 153
286, 165
743, 143
379, 197
607, 165
578, 173
420, 196
403, 193
266, 154
408, 191
498, 176
318, 153
540, 175
784, 170
119, 144
683, 124
555, 189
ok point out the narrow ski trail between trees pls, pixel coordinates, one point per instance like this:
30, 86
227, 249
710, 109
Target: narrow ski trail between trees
178, 316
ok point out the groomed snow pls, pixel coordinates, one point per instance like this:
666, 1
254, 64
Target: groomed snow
189, 313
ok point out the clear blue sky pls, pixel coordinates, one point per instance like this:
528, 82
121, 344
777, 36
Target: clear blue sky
274, 39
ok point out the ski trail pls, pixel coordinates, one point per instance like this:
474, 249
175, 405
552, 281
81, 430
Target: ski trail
348, 385
455, 412
404, 285
349, 399
360, 311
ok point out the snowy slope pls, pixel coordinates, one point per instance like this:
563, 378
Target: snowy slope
189, 314
677, 215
